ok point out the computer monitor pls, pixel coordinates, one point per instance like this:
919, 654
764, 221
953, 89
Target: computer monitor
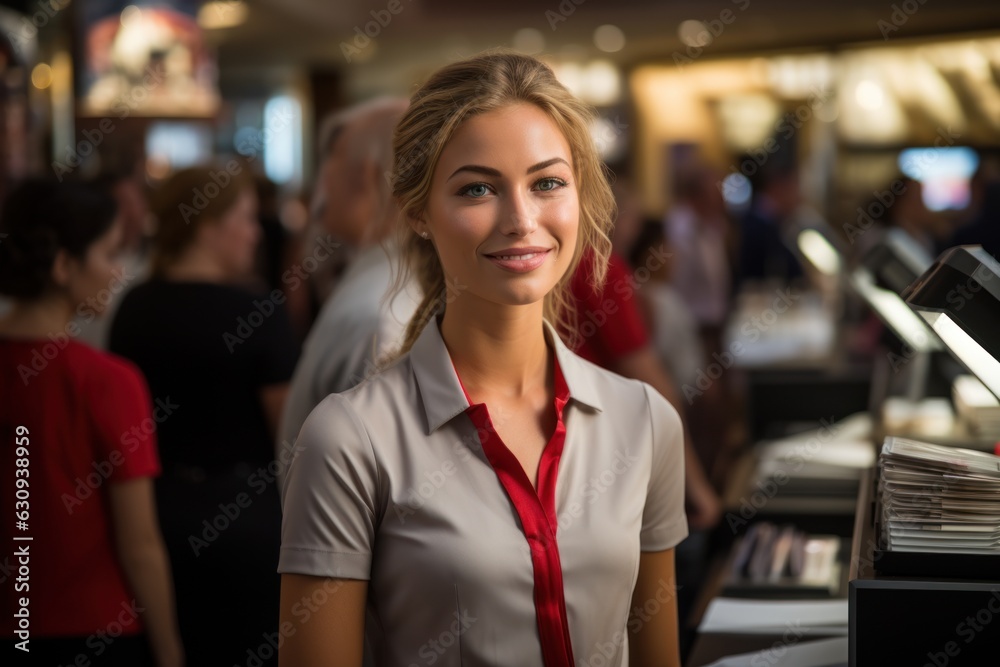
959, 298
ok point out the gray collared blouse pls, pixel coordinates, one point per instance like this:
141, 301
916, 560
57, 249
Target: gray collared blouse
401, 482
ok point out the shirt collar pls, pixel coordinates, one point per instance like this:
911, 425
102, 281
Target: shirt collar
442, 393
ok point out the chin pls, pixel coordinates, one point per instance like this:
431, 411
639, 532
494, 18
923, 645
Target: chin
525, 296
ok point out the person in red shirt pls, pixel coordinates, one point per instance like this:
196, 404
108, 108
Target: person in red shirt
612, 333
88, 581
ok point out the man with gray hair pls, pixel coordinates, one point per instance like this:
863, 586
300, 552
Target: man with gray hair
358, 323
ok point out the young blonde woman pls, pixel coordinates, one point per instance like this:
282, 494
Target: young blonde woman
489, 498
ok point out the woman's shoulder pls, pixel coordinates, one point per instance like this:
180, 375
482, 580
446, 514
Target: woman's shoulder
385, 382
605, 381
624, 396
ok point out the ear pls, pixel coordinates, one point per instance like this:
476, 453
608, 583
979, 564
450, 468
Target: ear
418, 225
63, 268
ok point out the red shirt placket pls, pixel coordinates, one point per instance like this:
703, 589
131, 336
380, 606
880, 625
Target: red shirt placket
538, 518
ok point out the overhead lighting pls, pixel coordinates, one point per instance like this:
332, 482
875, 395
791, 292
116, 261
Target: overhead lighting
694, 33
41, 76
570, 75
601, 83
609, 38
869, 95
220, 14
529, 41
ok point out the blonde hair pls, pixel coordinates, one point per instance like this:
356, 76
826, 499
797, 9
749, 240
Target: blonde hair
493, 80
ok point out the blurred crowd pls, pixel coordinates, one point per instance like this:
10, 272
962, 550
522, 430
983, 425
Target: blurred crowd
170, 340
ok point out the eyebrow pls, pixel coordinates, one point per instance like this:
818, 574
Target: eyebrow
490, 171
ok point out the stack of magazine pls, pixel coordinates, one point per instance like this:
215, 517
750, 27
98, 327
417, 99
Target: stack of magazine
938, 499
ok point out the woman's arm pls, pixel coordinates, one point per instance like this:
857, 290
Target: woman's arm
144, 558
652, 629
322, 620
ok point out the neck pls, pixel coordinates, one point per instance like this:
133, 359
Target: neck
197, 266
497, 351
37, 319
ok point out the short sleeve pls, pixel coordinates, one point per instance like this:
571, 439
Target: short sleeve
330, 506
664, 523
121, 411
278, 348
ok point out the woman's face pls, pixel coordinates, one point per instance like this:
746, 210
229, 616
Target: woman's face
233, 238
503, 211
91, 280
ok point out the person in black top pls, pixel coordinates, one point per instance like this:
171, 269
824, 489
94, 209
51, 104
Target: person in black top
218, 359
984, 229
764, 250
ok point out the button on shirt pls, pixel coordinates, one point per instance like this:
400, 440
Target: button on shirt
400, 481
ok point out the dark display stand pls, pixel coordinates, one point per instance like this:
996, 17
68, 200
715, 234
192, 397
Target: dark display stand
903, 619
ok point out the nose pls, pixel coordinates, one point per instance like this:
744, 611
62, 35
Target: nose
520, 215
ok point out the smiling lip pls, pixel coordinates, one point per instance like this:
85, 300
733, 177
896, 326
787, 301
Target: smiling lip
519, 260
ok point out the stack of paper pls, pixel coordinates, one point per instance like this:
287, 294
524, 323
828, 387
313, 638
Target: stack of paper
775, 616
977, 406
939, 499
926, 418
821, 462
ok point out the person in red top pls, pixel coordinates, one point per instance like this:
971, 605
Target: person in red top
612, 333
87, 581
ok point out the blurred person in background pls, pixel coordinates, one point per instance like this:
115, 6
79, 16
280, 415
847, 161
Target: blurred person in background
699, 235
672, 326
316, 237
219, 358
674, 333
697, 229
273, 248
984, 226
910, 213
310, 281
905, 211
359, 324
129, 193
629, 221
78, 417
612, 332
765, 247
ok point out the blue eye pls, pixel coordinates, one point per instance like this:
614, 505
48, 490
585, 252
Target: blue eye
475, 190
549, 184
